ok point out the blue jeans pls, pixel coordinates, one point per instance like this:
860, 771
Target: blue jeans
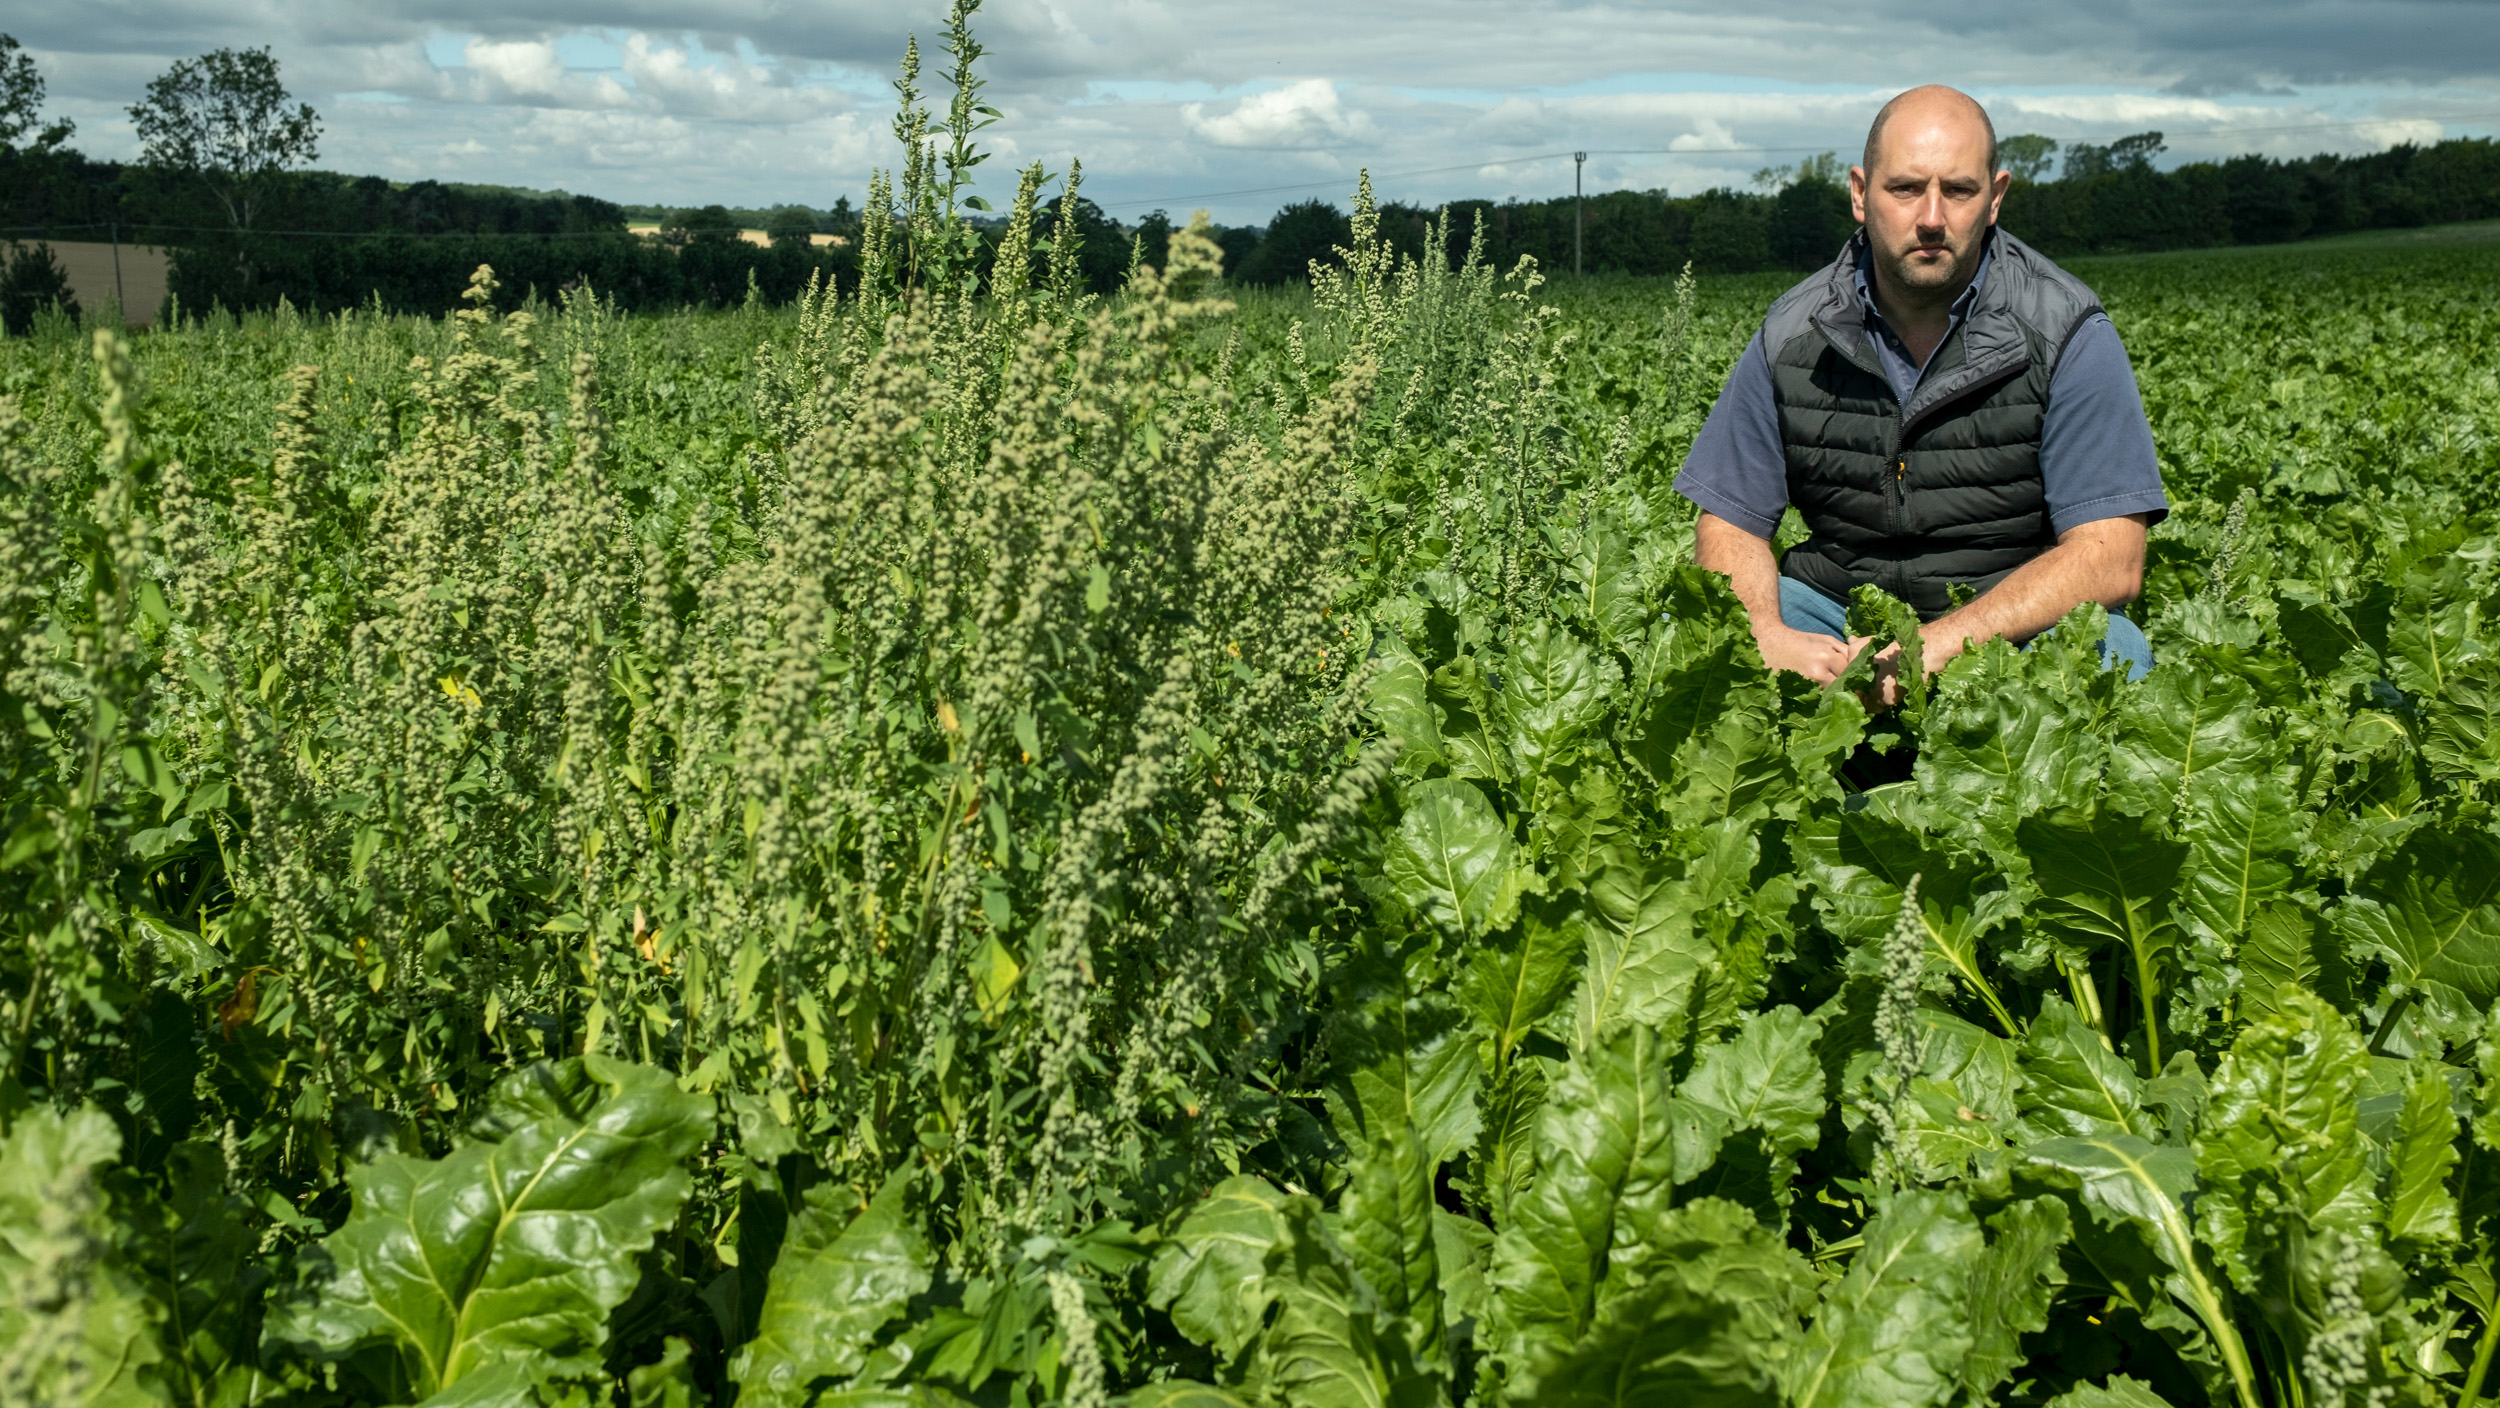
1802, 608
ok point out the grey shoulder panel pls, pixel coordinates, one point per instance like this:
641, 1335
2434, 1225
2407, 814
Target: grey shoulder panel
2047, 300
1795, 311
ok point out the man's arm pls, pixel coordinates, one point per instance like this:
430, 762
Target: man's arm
1745, 559
2099, 561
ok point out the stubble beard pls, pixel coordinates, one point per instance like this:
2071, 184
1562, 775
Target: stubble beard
1909, 271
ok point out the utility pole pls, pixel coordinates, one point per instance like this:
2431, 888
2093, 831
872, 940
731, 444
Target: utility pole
119, 300
1578, 160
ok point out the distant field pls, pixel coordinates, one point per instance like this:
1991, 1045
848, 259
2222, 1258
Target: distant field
2427, 237
650, 229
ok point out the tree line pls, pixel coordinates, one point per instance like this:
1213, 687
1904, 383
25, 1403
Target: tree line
2102, 199
225, 182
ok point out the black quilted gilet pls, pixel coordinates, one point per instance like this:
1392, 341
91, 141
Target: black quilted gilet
1946, 490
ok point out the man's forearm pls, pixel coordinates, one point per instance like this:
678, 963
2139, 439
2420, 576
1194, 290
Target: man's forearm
2102, 561
1745, 560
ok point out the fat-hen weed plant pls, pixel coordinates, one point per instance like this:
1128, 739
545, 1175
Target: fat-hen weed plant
964, 842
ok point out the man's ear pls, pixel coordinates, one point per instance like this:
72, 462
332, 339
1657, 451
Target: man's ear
1857, 195
1996, 194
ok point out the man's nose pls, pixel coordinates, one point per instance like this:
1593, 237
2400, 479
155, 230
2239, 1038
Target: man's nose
1931, 209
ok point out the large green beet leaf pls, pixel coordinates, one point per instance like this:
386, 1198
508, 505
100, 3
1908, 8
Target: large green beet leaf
1452, 857
1605, 1138
2432, 911
1210, 1273
506, 1256
2282, 1137
844, 1272
1704, 1326
1894, 1329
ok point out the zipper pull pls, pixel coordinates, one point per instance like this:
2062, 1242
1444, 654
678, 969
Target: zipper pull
1900, 469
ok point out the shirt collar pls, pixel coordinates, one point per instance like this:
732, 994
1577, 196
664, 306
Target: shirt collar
1864, 265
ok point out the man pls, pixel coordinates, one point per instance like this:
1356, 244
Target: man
1945, 408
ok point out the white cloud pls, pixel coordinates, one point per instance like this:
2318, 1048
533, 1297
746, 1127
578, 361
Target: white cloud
670, 78
754, 101
2417, 130
1302, 115
2138, 110
521, 70
1708, 135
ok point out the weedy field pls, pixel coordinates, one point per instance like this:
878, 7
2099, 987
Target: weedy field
974, 844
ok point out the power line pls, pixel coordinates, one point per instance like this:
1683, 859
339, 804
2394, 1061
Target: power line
1168, 201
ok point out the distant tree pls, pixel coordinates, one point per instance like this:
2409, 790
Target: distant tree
425, 207
1824, 167
1238, 243
2026, 155
1729, 236
225, 118
1154, 239
21, 103
1102, 247
2136, 153
32, 281
793, 226
1301, 232
711, 224
2133, 153
1809, 222
2266, 203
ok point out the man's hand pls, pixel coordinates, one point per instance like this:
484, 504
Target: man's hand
1888, 692
1812, 654
1745, 559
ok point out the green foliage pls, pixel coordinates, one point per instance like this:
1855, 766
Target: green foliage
21, 104
977, 841
841, 1276
1297, 235
78, 1326
503, 1261
32, 282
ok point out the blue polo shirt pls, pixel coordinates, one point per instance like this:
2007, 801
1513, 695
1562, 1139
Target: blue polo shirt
2096, 451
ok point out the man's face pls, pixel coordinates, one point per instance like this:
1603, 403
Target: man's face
1930, 198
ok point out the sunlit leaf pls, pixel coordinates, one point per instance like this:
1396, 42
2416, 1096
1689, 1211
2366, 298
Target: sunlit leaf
843, 1273
511, 1251
1452, 857
1895, 1328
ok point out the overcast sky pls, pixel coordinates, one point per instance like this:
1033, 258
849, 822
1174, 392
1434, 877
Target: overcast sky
1200, 105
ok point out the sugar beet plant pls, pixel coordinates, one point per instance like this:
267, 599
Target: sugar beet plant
2136, 1048
960, 843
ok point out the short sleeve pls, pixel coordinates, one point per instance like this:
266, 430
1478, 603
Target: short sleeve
2096, 450
1737, 469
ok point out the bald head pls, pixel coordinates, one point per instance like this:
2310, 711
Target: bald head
1927, 197
1926, 109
